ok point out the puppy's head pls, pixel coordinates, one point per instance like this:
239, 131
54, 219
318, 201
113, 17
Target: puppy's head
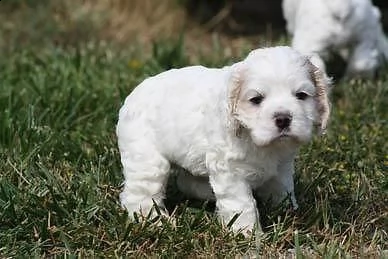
278, 95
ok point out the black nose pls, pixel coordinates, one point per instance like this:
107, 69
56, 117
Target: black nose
282, 120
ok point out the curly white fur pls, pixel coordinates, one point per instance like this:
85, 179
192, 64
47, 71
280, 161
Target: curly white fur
350, 28
237, 128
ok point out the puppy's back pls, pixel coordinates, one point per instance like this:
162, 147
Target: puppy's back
176, 85
173, 106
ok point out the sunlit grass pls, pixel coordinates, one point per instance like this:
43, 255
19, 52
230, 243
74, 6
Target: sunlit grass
60, 172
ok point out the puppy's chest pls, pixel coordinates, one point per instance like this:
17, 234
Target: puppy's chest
256, 169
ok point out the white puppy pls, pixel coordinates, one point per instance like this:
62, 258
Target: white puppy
350, 28
237, 128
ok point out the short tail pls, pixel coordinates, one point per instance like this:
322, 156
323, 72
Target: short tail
382, 41
383, 46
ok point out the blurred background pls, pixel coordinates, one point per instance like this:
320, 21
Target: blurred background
66, 67
38, 23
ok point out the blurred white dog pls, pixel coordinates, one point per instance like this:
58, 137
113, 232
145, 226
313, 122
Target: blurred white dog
237, 128
350, 28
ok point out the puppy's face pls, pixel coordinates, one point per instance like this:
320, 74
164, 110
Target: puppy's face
280, 96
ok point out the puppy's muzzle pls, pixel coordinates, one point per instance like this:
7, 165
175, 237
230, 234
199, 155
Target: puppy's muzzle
282, 120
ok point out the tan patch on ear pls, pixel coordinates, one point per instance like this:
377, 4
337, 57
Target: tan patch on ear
322, 84
235, 84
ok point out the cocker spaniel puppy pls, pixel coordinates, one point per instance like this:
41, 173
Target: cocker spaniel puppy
350, 28
236, 130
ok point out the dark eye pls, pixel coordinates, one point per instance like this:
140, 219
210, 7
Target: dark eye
301, 95
257, 99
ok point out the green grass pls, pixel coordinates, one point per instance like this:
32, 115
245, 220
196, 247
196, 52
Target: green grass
60, 173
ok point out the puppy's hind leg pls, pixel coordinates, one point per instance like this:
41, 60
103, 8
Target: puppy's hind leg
146, 173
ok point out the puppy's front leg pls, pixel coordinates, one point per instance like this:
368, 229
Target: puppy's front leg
234, 196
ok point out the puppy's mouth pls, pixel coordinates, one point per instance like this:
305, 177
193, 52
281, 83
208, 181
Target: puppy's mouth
285, 135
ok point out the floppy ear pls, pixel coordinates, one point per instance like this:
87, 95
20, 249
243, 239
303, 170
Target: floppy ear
322, 84
236, 80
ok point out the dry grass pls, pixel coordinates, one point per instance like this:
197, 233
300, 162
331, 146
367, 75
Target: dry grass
135, 20
120, 21
125, 23
144, 22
